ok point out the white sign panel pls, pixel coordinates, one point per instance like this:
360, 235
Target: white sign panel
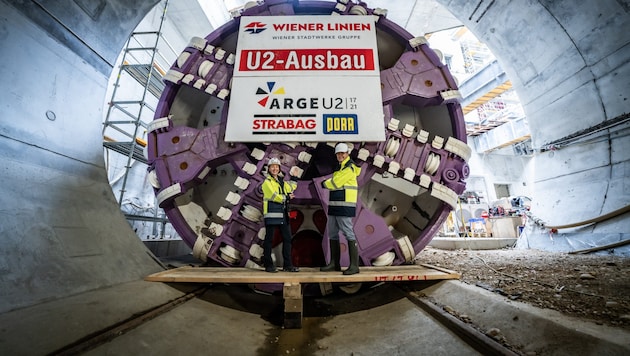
299, 78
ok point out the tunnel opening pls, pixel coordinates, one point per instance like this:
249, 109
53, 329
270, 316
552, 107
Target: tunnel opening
418, 171
210, 189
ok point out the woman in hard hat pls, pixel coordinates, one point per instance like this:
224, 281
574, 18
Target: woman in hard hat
276, 196
342, 204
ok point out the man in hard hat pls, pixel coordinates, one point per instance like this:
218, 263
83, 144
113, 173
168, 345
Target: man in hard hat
342, 205
276, 196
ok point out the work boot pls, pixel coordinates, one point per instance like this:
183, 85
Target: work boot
334, 258
354, 258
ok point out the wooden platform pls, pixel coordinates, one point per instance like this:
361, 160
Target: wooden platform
306, 275
292, 281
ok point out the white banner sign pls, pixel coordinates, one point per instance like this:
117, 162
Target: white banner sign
299, 78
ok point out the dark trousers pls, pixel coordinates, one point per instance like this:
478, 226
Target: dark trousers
286, 244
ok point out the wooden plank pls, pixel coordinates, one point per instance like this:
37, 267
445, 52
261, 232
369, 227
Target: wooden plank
403, 273
292, 288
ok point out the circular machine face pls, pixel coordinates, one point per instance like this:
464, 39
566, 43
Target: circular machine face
210, 188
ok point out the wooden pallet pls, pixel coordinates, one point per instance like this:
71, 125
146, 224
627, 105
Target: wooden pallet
292, 281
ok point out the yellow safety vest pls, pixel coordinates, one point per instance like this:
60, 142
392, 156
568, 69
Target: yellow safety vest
344, 189
275, 197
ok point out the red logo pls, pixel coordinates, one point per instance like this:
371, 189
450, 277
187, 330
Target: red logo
255, 27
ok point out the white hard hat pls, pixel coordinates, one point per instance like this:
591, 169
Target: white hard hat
274, 160
341, 147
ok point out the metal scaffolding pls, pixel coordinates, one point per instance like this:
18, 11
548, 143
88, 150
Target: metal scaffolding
124, 128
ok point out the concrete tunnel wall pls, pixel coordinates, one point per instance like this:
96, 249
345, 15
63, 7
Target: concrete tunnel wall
569, 63
61, 229
62, 232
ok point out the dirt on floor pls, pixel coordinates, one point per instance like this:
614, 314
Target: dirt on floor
590, 287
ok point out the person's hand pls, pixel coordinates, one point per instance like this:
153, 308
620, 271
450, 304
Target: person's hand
291, 195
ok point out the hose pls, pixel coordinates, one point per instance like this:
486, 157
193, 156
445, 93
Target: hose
601, 218
599, 248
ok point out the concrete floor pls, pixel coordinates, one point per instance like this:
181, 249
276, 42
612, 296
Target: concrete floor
197, 327
233, 320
